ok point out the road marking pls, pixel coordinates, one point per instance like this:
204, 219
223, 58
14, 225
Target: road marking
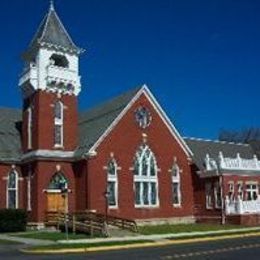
210, 252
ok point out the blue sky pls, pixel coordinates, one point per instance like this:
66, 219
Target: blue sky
201, 59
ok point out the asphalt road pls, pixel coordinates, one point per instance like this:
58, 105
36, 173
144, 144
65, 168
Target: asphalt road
243, 248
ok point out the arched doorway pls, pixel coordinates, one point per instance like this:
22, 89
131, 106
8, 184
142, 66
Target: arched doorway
56, 201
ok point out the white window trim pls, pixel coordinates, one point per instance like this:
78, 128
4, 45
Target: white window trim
29, 128
59, 122
231, 190
240, 189
16, 189
252, 190
146, 179
113, 178
176, 179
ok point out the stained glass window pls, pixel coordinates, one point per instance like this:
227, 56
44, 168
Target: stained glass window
58, 182
145, 177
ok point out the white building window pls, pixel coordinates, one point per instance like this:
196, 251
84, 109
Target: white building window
240, 190
217, 195
12, 190
231, 190
209, 192
112, 183
176, 189
251, 191
29, 128
145, 178
58, 124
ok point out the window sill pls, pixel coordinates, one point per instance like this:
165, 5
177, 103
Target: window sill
177, 205
59, 147
147, 206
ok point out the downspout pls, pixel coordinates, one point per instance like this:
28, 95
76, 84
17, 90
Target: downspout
223, 214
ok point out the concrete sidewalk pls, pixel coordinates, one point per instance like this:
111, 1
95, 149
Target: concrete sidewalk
26, 241
159, 237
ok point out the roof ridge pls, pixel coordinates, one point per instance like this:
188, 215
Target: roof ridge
214, 141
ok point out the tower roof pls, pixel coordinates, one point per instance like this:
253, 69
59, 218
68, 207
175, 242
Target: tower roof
52, 33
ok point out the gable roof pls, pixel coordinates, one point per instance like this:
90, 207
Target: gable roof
201, 148
100, 121
94, 122
51, 31
10, 134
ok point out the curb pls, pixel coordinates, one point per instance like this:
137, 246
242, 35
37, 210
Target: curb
138, 245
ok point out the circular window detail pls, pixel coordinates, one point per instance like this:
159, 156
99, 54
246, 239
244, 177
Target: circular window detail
143, 117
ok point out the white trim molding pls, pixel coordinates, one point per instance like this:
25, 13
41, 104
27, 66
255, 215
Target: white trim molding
145, 90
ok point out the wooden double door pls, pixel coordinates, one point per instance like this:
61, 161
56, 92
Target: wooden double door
56, 202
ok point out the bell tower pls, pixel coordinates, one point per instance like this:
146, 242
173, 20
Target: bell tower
50, 84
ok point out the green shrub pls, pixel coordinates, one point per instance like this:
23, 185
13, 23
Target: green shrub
12, 220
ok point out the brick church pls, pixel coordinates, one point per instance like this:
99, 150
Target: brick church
124, 156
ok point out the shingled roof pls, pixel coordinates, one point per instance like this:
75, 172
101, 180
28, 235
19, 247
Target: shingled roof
201, 147
10, 134
51, 31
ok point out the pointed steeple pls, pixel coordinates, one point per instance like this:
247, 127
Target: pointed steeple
52, 33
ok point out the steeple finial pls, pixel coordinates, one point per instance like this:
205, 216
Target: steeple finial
51, 5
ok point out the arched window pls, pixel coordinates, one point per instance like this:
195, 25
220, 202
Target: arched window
29, 128
112, 183
58, 182
12, 190
176, 182
58, 124
145, 178
59, 60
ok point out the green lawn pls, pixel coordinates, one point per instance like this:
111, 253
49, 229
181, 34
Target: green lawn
7, 242
180, 228
54, 236
69, 246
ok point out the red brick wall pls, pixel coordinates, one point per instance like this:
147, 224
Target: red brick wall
43, 120
201, 212
43, 172
124, 141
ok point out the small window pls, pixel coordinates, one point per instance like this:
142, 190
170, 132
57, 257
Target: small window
217, 195
176, 188
29, 128
240, 190
59, 61
231, 191
112, 183
252, 191
209, 191
12, 190
58, 124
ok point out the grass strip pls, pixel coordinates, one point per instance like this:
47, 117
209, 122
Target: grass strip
53, 236
74, 246
8, 242
183, 228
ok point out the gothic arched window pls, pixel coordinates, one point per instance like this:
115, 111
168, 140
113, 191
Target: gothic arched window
112, 183
176, 182
58, 124
12, 190
58, 182
145, 177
